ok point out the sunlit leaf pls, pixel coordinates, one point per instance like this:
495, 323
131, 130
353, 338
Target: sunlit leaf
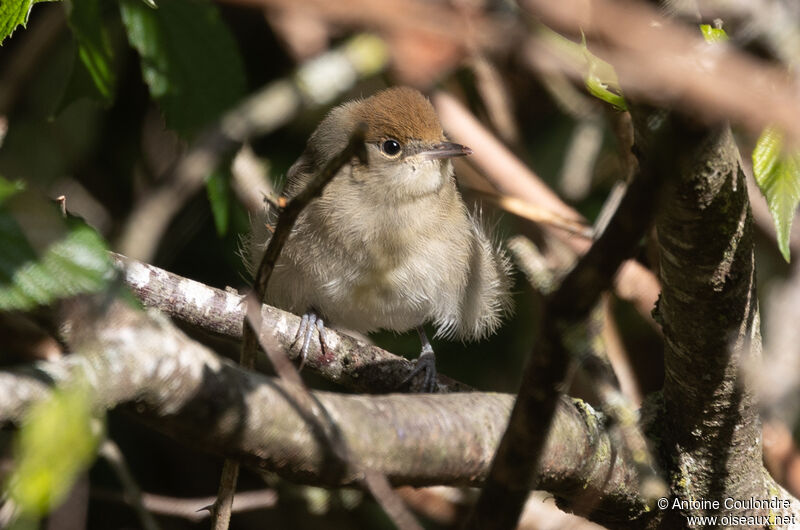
777, 173
600, 90
600, 77
14, 13
57, 441
9, 188
712, 34
189, 59
44, 257
219, 196
93, 47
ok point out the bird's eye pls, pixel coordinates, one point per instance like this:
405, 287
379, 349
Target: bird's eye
391, 147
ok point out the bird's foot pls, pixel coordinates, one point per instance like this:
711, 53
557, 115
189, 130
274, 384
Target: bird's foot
426, 365
308, 323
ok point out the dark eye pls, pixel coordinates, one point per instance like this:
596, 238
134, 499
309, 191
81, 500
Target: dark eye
391, 147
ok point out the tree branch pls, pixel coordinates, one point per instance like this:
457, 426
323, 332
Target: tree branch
709, 313
356, 365
668, 64
142, 363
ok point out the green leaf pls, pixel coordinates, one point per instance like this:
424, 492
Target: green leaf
189, 60
600, 76
600, 90
56, 442
93, 48
219, 196
777, 173
44, 257
14, 13
712, 34
9, 187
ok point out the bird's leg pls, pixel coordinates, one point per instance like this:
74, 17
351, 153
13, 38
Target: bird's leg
308, 323
426, 364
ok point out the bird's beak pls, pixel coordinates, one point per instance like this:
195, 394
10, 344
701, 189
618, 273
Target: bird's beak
445, 150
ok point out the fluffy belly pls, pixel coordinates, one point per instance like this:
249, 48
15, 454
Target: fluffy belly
393, 300
394, 274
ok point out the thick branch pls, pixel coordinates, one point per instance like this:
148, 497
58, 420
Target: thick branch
709, 312
182, 389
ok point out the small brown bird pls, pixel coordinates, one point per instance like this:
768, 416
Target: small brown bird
389, 244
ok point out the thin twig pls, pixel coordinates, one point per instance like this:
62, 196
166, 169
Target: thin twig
594, 362
133, 494
532, 263
589, 352
532, 212
609, 207
8, 513
250, 181
517, 459
279, 360
191, 509
230, 471
496, 98
355, 147
583, 150
377, 483
510, 176
326, 427
222, 509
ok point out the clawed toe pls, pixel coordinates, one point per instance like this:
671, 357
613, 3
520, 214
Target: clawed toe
308, 324
425, 365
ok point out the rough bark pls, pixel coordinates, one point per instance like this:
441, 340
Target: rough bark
710, 428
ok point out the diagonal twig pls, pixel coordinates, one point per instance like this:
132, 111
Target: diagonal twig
133, 493
252, 324
516, 461
377, 483
190, 509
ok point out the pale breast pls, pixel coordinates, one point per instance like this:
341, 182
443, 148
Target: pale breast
394, 270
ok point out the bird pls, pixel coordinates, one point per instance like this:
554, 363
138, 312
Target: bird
389, 244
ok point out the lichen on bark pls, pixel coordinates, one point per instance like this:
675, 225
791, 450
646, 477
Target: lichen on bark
710, 432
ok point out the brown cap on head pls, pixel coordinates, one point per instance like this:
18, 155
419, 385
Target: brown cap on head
401, 113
